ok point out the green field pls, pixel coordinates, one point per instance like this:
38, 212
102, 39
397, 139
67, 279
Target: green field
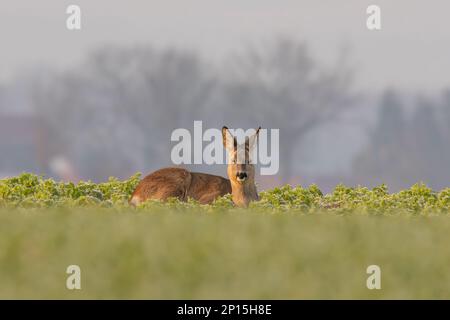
296, 243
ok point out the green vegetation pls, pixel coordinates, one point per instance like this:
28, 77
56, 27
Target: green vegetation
31, 191
294, 243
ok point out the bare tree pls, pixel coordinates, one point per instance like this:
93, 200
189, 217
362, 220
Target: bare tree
156, 91
283, 87
116, 111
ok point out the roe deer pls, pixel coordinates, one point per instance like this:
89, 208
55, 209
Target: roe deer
205, 188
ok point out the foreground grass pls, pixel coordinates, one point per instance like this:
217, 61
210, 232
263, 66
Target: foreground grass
153, 254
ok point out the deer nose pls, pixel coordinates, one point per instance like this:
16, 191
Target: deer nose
241, 175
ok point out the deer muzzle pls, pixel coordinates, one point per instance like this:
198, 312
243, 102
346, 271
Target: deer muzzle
241, 176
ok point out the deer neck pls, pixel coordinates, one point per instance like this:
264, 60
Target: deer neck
243, 193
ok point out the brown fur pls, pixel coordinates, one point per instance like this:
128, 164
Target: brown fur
205, 188
243, 192
181, 184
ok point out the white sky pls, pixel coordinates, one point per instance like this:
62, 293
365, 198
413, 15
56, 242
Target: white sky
412, 51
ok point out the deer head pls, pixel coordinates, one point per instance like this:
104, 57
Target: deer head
241, 169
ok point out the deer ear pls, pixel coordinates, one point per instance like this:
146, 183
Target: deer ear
252, 140
228, 139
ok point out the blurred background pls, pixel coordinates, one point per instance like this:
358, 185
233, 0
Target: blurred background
352, 105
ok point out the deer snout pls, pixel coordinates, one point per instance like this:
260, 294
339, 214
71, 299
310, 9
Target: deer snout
241, 176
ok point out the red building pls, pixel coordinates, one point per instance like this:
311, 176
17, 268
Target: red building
22, 145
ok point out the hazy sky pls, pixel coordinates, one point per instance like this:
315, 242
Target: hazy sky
412, 51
